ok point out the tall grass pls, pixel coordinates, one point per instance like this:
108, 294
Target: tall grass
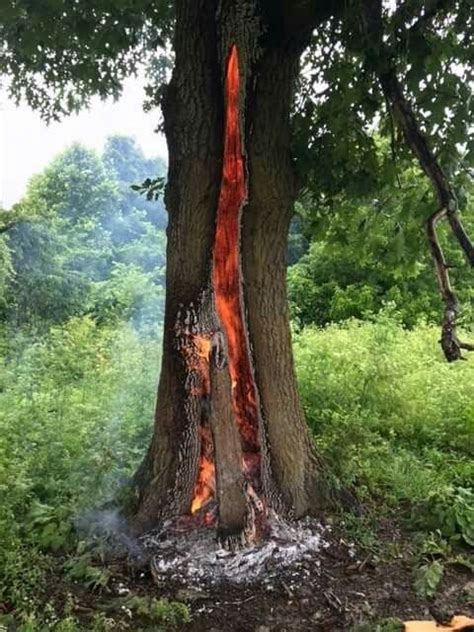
392, 418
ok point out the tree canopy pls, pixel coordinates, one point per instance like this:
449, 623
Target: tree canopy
382, 84
82, 242
57, 54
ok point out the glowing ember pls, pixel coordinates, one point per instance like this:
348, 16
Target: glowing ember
226, 269
205, 487
227, 284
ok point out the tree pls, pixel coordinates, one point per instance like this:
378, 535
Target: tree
129, 166
77, 244
58, 244
364, 254
229, 424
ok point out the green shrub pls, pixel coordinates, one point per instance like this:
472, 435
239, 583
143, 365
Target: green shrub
170, 613
76, 410
392, 418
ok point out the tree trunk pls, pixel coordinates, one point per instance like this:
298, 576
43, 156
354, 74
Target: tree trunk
228, 412
293, 467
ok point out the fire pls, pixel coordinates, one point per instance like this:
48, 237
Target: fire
203, 347
226, 269
227, 284
205, 487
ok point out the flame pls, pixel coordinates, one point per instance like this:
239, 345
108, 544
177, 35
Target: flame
205, 487
203, 347
227, 283
226, 269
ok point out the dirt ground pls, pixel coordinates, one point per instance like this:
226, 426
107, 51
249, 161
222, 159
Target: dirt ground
338, 588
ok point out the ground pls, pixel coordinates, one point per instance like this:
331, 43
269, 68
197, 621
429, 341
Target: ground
340, 586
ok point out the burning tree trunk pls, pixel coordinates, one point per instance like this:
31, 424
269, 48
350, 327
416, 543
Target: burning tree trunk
229, 428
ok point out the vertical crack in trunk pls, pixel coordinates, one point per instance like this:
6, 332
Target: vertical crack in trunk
227, 277
230, 441
230, 452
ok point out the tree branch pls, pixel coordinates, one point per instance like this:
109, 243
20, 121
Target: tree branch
405, 117
450, 343
402, 112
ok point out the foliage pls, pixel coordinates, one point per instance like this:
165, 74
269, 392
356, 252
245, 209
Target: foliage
127, 164
340, 100
450, 510
81, 271
152, 189
56, 55
77, 50
171, 613
427, 578
85, 243
393, 420
371, 252
75, 411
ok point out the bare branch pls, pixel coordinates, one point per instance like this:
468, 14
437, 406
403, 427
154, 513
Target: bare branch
450, 343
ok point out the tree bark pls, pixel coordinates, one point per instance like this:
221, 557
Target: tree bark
278, 466
294, 483
193, 115
230, 483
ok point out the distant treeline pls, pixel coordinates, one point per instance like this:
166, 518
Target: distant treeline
81, 241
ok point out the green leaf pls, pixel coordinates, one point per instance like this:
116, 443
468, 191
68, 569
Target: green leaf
427, 578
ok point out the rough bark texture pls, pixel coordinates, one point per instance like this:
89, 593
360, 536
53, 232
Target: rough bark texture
228, 455
294, 471
190, 387
193, 124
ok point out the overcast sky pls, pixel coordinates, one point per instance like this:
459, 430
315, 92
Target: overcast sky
27, 144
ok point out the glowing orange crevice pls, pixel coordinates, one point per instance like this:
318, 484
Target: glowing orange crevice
226, 268
227, 285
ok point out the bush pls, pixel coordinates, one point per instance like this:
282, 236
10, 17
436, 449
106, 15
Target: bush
390, 415
76, 410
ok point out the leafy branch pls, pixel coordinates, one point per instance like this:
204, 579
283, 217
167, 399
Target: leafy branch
403, 114
152, 188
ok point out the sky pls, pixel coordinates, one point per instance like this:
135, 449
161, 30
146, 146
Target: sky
27, 144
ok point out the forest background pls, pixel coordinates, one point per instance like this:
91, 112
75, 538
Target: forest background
82, 261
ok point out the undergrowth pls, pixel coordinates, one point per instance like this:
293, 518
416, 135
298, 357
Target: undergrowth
394, 422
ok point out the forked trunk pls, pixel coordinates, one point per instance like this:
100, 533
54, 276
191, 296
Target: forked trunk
230, 438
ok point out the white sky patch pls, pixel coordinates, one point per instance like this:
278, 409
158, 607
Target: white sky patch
27, 144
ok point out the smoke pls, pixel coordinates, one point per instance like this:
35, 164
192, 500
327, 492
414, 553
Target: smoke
88, 273
110, 527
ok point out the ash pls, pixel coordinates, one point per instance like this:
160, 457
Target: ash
195, 556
